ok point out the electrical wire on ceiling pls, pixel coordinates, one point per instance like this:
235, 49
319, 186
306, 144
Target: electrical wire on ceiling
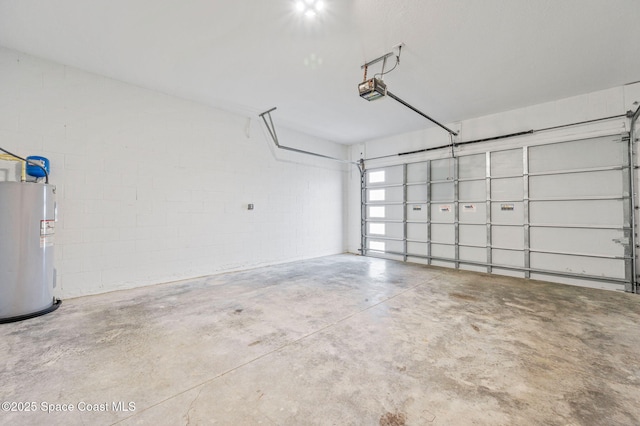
384, 62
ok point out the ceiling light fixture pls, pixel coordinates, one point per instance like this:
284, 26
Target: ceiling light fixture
309, 8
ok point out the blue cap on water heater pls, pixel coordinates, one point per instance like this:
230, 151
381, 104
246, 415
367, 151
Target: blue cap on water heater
36, 171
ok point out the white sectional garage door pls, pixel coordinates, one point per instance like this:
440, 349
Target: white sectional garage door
555, 212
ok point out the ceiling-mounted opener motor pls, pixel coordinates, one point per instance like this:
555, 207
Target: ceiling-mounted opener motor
375, 88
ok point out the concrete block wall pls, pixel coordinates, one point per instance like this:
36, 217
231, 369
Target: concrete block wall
152, 188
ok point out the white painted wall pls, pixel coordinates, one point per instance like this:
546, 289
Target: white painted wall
590, 106
152, 188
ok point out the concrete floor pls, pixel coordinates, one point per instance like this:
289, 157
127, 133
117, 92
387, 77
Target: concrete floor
340, 340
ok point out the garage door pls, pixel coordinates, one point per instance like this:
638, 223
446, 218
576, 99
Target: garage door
556, 212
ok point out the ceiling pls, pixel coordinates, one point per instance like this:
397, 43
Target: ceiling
462, 58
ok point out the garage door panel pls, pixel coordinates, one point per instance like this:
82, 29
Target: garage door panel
613, 268
417, 231
575, 240
393, 175
417, 172
473, 190
473, 254
443, 251
417, 249
511, 213
443, 212
473, 234
418, 193
385, 245
472, 166
417, 212
578, 282
507, 257
443, 233
574, 155
473, 213
389, 195
419, 260
391, 230
442, 191
507, 189
474, 268
573, 185
442, 169
393, 212
508, 272
507, 236
507, 163
593, 212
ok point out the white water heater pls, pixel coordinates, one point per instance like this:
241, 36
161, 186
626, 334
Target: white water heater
27, 231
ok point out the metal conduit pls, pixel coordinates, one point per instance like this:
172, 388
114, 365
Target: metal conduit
272, 132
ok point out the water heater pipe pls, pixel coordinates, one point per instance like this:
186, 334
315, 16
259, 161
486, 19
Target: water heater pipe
23, 174
46, 173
